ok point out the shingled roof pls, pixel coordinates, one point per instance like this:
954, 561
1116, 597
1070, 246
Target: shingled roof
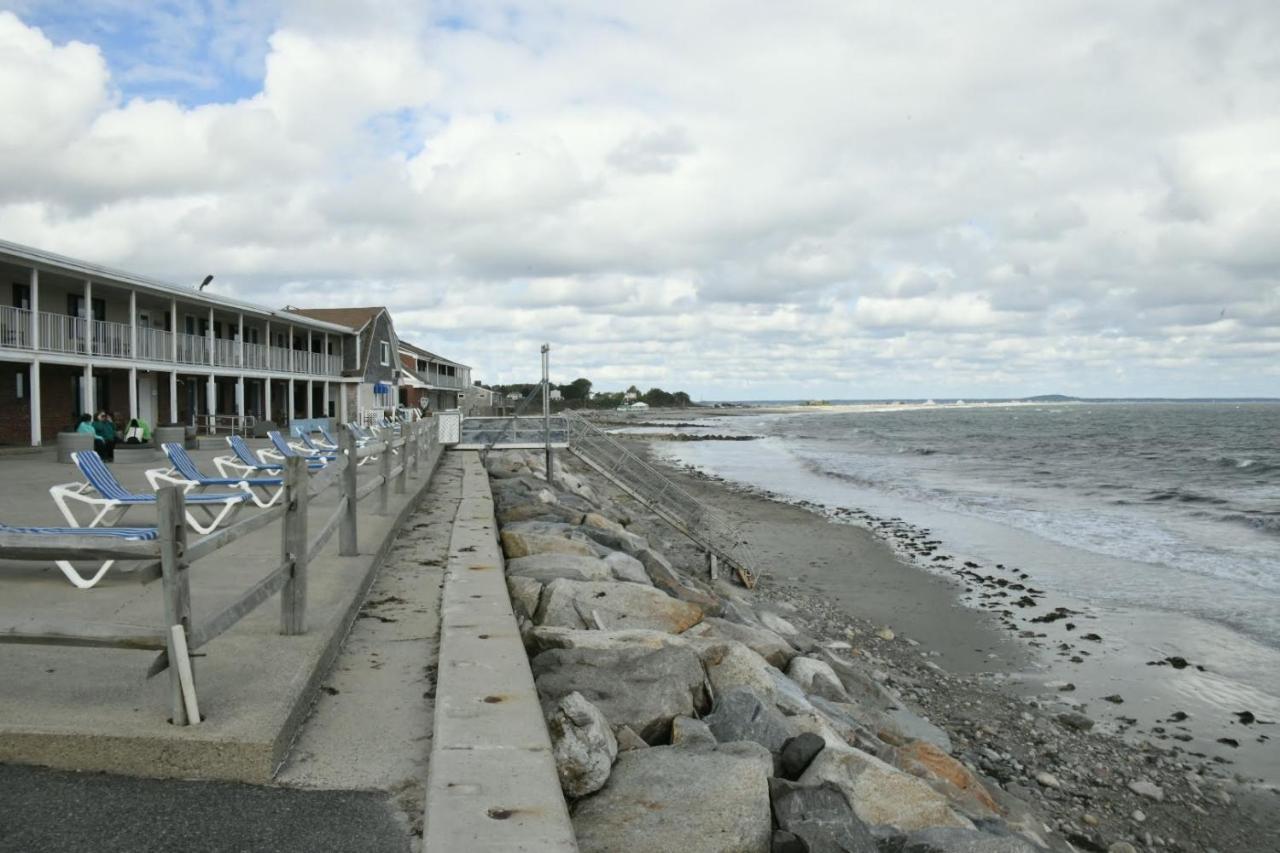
352, 318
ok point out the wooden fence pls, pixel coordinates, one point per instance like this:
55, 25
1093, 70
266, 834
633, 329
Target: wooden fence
170, 557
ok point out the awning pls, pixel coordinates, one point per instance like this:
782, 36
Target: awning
411, 381
381, 388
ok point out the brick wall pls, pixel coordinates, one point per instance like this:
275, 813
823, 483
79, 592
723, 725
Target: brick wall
56, 403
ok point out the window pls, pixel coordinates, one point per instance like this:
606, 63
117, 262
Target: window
386, 354
21, 391
21, 295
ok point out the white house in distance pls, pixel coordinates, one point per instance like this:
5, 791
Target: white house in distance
79, 337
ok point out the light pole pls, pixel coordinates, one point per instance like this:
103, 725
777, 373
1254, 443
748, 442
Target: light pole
546, 406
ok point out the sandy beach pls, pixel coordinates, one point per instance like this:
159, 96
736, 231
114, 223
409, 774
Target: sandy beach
962, 667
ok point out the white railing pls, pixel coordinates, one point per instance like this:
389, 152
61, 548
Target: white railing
335, 365
193, 349
155, 344
226, 353
15, 328
256, 357
62, 333
442, 381
111, 340
279, 359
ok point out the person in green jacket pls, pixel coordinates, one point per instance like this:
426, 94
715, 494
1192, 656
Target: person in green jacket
106, 430
85, 426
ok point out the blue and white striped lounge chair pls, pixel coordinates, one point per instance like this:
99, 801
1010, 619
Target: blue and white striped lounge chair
136, 534
243, 462
112, 497
313, 444
187, 474
284, 450
328, 437
366, 436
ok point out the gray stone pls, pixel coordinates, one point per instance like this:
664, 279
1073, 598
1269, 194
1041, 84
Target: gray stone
577, 604
952, 840
614, 539
582, 743
797, 753
739, 714
686, 731
785, 842
665, 578
524, 594
732, 665
628, 739
777, 624
553, 637
638, 688
1076, 721
627, 568
762, 641
817, 677
545, 568
1122, 847
788, 696
522, 543
1148, 789
669, 798
909, 726
820, 815
881, 794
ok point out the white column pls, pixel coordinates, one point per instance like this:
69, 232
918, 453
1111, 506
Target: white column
133, 326
309, 370
33, 396
211, 395
242, 362
86, 390
324, 412
133, 392
288, 345
35, 310
288, 416
266, 398
311, 396
209, 337
88, 313
173, 394
342, 403
324, 349
269, 346
173, 342
240, 395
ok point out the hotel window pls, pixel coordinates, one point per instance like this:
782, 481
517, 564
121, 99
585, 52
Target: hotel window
386, 354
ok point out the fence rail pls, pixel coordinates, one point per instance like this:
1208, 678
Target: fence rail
170, 558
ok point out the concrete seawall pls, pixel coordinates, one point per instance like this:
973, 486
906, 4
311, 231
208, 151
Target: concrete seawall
492, 782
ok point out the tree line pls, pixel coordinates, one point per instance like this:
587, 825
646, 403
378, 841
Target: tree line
578, 395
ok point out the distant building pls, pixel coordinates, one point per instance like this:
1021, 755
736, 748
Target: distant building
372, 361
439, 382
555, 394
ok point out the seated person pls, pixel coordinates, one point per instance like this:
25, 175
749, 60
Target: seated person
85, 426
134, 434
106, 430
146, 429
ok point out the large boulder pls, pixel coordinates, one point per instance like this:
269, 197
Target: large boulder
797, 754
524, 593
667, 579
947, 776
686, 731
582, 743
545, 568
817, 677
820, 816
635, 687
951, 840
517, 543
627, 568
739, 714
612, 534
731, 665
670, 798
881, 794
613, 606
762, 641
545, 637
777, 624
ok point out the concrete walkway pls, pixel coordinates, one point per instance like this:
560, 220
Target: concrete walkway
94, 709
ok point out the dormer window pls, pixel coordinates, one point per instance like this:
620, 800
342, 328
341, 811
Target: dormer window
386, 354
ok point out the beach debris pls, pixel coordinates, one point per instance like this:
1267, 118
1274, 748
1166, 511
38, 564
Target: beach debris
1245, 717
1114, 699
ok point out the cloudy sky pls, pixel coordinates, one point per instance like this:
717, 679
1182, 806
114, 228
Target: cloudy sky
747, 200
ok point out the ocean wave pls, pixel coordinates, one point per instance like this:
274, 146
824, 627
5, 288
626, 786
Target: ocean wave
1245, 464
917, 451
1264, 523
1176, 495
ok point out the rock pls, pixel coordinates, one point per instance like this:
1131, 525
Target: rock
762, 641
686, 731
950, 840
1122, 847
788, 696
575, 604
797, 753
545, 568
598, 521
881, 794
1114, 699
628, 739
885, 634
785, 842
832, 735
1148, 789
732, 665
627, 568
1075, 721
1048, 780
1139, 816
524, 594
638, 688
690, 800
546, 637
947, 776
819, 815
665, 578
1089, 819
520, 544
817, 677
777, 624
582, 743
740, 714
616, 540
907, 725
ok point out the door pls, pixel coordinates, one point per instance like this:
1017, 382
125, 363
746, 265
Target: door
148, 397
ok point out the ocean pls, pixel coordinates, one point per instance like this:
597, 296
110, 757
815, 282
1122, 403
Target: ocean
1122, 509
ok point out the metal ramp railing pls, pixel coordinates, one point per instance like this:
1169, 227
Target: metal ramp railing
704, 524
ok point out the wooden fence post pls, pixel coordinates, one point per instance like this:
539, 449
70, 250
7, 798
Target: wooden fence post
411, 448
384, 491
293, 547
348, 531
402, 479
172, 530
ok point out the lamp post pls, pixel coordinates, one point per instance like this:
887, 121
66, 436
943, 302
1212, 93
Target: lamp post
546, 406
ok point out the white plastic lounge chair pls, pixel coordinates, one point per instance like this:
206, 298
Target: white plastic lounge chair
130, 533
284, 450
319, 445
112, 497
187, 474
242, 461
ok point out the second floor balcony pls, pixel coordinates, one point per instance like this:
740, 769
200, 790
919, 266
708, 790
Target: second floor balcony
22, 329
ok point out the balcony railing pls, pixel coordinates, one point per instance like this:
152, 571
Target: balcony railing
15, 327
62, 333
